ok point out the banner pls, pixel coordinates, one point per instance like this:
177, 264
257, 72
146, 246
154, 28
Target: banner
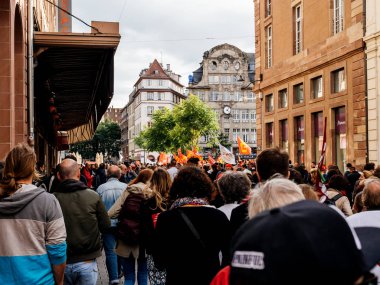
210, 159
320, 180
243, 147
226, 155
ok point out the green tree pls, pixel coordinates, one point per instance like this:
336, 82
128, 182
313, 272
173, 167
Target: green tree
107, 139
181, 127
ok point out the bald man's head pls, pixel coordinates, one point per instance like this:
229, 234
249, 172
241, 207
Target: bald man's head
69, 169
114, 171
371, 194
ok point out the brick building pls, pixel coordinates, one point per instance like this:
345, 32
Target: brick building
113, 114
310, 55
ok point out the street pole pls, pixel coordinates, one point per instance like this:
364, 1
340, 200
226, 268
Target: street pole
30, 73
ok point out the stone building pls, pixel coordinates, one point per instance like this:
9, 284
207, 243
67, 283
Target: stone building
372, 42
45, 95
113, 114
156, 88
224, 81
310, 56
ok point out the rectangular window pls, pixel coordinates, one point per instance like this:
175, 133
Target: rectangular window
297, 29
150, 110
340, 139
252, 115
338, 81
226, 96
236, 115
283, 98
213, 79
338, 18
268, 8
299, 132
253, 135
149, 82
150, 96
317, 125
284, 135
269, 106
160, 82
244, 116
245, 134
250, 97
161, 96
316, 87
235, 133
269, 134
268, 46
298, 93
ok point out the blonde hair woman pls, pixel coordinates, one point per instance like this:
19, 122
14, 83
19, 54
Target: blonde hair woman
275, 193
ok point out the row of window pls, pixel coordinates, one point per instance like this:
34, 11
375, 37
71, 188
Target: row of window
339, 137
337, 21
247, 135
225, 79
338, 84
150, 110
227, 96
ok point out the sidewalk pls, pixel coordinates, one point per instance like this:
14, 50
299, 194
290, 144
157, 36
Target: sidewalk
103, 275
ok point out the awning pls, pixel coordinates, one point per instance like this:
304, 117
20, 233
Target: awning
76, 70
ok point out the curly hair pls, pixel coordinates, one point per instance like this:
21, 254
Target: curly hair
234, 186
191, 182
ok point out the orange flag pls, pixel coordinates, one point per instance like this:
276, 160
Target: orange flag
162, 158
243, 147
189, 154
219, 159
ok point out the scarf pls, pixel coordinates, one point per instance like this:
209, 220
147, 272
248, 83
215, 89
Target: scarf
188, 201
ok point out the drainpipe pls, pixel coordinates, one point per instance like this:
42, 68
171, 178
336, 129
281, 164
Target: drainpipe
30, 73
365, 78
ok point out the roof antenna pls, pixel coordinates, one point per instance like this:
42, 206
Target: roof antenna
162, 63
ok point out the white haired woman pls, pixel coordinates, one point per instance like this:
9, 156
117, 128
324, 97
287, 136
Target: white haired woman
274, 193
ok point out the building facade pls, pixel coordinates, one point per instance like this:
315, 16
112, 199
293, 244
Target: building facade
45, 97
372, 41
113, 114
155, 89
310, 56
224, 82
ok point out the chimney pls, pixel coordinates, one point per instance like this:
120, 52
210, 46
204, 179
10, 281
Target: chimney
64, 20
168, 67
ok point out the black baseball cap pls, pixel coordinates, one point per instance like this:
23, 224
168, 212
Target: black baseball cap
302, 243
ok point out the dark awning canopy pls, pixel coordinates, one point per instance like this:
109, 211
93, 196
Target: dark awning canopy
73, 82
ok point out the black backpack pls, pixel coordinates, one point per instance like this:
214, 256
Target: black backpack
332, 201
129, 226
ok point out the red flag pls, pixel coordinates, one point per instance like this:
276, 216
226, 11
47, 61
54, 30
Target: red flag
319, 185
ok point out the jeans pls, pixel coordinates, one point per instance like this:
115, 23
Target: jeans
81, 273
109, 243
129, 270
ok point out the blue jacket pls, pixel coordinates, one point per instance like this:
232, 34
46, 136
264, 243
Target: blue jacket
110, 192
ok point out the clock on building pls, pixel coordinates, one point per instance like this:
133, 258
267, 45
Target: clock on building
237, 65
227, 110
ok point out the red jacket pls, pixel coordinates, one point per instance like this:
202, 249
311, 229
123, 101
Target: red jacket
87, 174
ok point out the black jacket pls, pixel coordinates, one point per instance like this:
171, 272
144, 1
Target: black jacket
85, 217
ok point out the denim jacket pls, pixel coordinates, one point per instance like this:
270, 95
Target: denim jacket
110, 192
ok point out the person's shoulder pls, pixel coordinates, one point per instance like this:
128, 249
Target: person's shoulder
367, 218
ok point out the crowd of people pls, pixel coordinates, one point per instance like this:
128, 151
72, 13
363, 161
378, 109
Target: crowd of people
262, 221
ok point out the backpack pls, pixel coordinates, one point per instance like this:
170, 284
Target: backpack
332, 201
129, 228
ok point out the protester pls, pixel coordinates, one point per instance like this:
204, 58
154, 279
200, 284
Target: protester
110, 192
308, 192
302, 243
274, 193
160, 184
191, 234
85, 217
100, 176
87, 173
269, 162
172, 169
336, 193
129, 246
358, 204
233, 187
33, 235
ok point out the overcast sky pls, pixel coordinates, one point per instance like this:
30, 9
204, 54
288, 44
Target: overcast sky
180, 31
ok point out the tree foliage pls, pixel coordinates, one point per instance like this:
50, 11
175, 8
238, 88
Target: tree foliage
181, 127
107, 139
